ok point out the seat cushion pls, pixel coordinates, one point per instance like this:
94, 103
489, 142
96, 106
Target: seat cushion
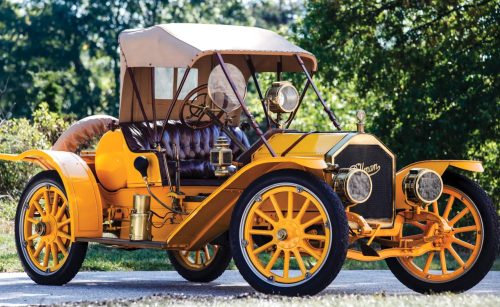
194, 145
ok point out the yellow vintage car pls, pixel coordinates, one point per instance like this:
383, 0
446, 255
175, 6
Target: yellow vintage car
176, 171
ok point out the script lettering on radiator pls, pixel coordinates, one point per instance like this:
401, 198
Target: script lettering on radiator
371, 169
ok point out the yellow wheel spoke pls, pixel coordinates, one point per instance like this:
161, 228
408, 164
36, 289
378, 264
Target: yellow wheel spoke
303, 210
54, 254
54, 203
442, 258
314, 237
465, 229
61, 247
47, 201
64, 223
266, 217
32, 237
447, 210
273, 260
35, 203
46, 255
455, 255
428, 262
62, 234
310, 251
289, 214
463, 243
31, 220
299, 260
263, 247
207, 253
198, 257
61, 211
276, 207
459, 216
313, 221
286, 263
261, 232
38, 249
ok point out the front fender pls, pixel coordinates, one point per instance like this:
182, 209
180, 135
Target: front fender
81, 187
439, 166
212, 217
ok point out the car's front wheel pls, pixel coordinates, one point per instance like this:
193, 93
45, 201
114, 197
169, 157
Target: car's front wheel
289, 234
463, 257
43, 232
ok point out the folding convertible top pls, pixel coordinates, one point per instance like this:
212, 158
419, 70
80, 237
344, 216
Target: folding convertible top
183, 44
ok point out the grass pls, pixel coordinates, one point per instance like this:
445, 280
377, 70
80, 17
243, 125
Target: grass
103, 258
341, 300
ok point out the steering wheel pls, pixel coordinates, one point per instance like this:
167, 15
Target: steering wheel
197, 103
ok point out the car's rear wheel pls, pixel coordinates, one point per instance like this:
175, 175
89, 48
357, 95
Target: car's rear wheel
466, 255
271, 238
43, 232
203, 265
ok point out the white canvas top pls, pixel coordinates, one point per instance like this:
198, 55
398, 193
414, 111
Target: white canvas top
182, 44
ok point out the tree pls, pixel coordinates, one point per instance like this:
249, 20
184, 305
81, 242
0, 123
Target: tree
426, 71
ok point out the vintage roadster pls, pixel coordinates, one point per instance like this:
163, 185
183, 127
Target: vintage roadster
177, 172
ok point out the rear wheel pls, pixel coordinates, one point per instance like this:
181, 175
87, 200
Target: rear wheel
466, 255
204, 265
43, 232
288, 234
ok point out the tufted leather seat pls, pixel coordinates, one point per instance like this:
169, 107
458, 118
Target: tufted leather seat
194, 145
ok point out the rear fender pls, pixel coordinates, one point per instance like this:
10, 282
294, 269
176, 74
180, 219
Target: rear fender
81, 187
212, 217
439, 166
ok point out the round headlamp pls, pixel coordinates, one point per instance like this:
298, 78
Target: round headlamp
353, 185
422, 185
282, 97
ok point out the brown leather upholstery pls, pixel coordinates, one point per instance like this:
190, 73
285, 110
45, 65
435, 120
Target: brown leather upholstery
194, 145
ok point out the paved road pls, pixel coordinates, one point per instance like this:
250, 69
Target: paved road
17, 288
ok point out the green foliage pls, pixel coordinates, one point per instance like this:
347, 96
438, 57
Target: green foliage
425, 71
18, 135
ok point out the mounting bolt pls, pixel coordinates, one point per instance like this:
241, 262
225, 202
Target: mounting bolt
327, 224
259, 198
25, 243
271, 278
308, 275
244, 243
300, 189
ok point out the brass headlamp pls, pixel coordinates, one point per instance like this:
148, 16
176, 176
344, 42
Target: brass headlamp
282, 97
422, 186
353, 185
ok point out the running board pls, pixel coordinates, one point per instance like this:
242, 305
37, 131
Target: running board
125, 243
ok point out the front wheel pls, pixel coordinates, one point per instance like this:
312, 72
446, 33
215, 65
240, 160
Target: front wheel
204, 265
289, 234
466, 255
43, 232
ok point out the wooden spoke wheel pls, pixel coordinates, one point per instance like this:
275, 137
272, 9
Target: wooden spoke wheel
285, 237
43, 232
466, 251
203, 265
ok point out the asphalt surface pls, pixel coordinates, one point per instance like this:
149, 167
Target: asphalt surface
17, 288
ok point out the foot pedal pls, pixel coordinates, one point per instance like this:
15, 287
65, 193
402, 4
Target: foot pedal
367, 250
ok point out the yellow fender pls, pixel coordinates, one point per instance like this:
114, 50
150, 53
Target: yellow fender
81, 187
213, 216
439, 166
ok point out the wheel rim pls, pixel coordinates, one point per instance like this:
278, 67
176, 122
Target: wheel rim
45, 229
285, 250
198, 260
455, 253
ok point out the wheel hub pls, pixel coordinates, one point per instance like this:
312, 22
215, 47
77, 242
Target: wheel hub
282, 234
41, 228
